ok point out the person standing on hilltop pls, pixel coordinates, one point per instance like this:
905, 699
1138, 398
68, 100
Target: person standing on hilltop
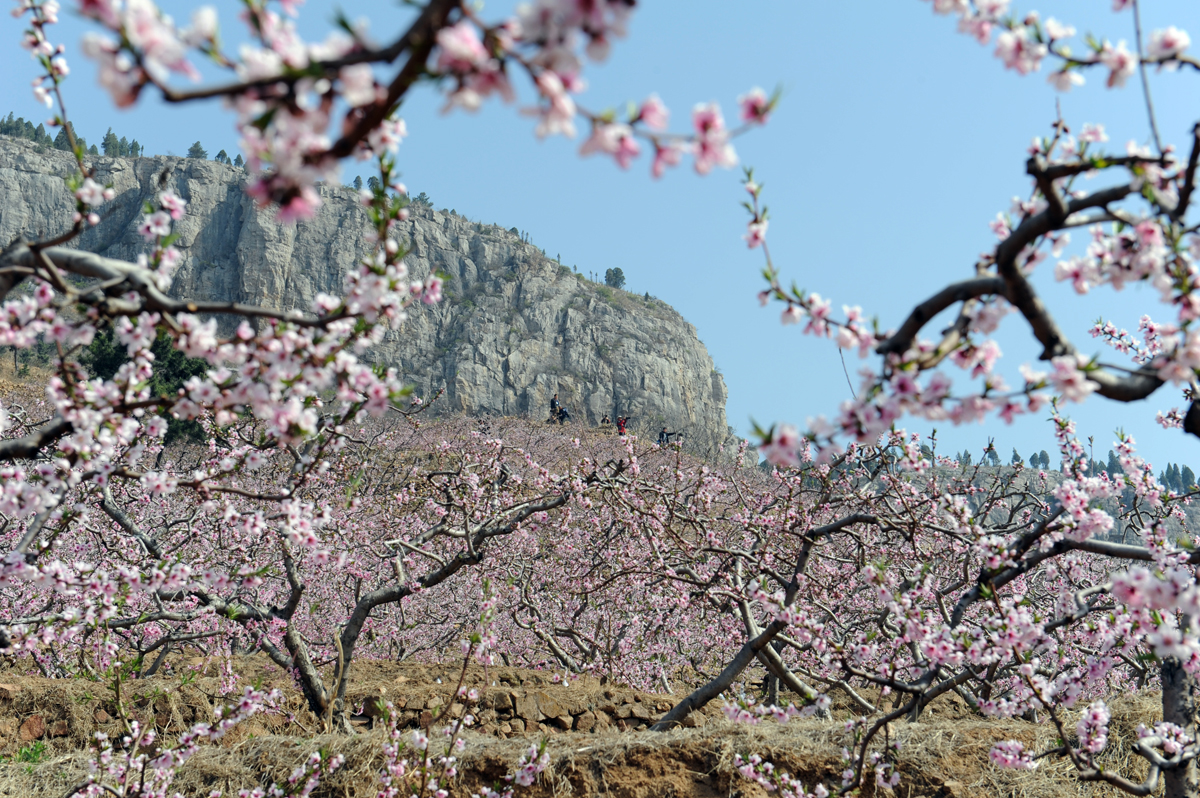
554, 406
664, 437
605, 421
621, 421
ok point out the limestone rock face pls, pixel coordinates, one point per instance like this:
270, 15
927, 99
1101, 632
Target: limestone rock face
515, 326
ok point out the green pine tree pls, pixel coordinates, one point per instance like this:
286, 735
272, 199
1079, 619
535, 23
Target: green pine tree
357, 183
172, 369
238, 162
62, 141
198, 152
110, 144
614, 278
123, 147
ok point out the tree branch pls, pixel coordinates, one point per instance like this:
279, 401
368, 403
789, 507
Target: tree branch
28, 446
923, 313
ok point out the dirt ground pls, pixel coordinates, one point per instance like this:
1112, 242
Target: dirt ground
596, 735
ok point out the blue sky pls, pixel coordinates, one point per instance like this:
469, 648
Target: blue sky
897, 141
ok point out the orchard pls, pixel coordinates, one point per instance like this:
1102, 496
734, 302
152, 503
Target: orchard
325, 518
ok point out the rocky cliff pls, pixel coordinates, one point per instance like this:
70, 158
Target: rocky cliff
516, 326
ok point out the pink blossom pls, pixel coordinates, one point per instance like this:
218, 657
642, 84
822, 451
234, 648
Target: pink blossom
172, 204
103, 10
1012, 754
988, 315
614, 139
432, 292
302, 205
1069, 380
977, 27
91, 192
117, 72
781, 450
151, 33
1167, 43
475, 87
755, 106
1120, 62
1009, 410
358, 85
43, 96
818, 313
204, 26
712, 139
1180, 364
155, 224
951, 6
1081, 272
1056, 30
1000, 227
993, 9
1093, 727
1020, 51
756, 233
653, 113
1172, 419
1065, 79
385, 138
557, 114
985, 357
665, 155
461, 48
1093, 133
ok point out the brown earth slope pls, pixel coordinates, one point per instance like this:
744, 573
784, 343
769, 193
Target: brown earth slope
596, 737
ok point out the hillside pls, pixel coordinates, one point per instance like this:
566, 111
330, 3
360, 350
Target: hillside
515, 328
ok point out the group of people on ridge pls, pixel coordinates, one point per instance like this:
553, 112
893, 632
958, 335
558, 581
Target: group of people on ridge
621, 422
560, 414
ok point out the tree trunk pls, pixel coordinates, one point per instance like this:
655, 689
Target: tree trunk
1179, 689
772, 690
718, 684
305, 672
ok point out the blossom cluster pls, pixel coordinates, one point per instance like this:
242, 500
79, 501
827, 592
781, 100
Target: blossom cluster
1024, 42
301, 106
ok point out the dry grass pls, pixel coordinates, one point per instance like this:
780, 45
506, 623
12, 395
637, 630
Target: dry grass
942, 757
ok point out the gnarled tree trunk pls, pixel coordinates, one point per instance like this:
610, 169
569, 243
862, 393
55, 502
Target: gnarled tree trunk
1179, 707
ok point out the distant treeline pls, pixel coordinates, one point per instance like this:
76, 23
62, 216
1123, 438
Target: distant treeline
990, 457
1176, 477
21, 128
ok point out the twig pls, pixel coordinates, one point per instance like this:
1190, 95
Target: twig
1137, 32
